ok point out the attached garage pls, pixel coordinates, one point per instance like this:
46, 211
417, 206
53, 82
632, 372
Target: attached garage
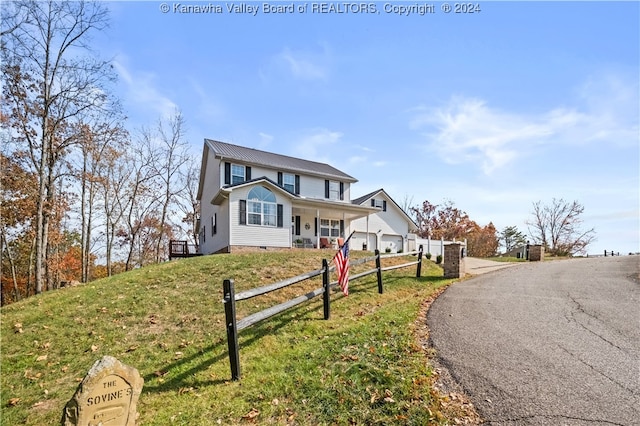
394, 242
360, 238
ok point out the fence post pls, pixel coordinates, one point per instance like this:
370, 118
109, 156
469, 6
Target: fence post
232, 331
379, 271
326, 285
419, 268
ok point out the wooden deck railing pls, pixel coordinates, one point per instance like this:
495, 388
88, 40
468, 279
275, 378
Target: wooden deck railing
179, 249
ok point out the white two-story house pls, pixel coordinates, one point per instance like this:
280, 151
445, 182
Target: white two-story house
259, 199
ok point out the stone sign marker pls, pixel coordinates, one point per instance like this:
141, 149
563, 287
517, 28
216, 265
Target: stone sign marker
107, 396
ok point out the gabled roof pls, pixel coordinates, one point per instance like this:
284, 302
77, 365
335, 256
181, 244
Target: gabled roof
364, 198
361, 200
227, 151
226, 190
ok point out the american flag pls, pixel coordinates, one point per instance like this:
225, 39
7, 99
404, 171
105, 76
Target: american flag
341, 260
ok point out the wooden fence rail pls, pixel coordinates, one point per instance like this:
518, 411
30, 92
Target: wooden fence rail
234, 325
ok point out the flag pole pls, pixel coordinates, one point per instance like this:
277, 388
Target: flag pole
345, 242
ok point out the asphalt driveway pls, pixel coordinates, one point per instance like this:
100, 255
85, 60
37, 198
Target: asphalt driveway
545, 343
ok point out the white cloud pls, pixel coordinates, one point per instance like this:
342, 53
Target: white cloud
306, 65
265, 140
317, 144
468, 130
142, 93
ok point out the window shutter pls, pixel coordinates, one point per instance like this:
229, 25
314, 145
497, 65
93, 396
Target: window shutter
297, 190
243, 212
280, 182
215, 223
342, 190
297, 225
384, 205
204, 234
280, 214
247, 173
373, 202
342, 227
227, 173
326, 189
315, 227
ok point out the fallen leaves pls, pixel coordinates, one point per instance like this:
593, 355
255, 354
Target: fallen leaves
13, 402
251, 415
17, 328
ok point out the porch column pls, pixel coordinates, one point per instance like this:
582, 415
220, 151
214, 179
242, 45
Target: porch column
366, 236
318, 233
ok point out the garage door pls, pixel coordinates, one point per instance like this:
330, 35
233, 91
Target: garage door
394, 242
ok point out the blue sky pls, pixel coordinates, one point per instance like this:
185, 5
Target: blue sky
523, 101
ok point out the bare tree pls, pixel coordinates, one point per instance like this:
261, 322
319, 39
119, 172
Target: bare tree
138, 199
113, 185
557, 227
188, 200
48, 86
100, 141
171, 159
406, 204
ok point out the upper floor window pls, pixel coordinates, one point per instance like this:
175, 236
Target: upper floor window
381, 204
261, 207
333, 190
289, 182
237, 174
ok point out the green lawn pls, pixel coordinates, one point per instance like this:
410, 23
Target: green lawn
363, 366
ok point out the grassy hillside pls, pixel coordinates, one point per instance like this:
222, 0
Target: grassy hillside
363, 366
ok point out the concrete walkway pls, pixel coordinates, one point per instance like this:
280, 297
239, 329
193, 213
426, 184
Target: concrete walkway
476, 266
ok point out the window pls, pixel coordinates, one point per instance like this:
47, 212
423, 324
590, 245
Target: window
381, 204
261, 207
329, 228
237, 174
289, 182
333, 190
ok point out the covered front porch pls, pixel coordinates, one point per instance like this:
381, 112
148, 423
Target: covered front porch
323, 224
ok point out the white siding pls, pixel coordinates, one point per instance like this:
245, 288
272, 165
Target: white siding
252, 235
208, 243
389, 226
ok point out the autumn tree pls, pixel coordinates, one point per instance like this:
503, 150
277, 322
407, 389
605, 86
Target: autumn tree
442, 221
511, 238
557, 227
50, 81
17, 208
482, 241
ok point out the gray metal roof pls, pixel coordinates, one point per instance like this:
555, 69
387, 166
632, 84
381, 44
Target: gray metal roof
364, 198
246, 155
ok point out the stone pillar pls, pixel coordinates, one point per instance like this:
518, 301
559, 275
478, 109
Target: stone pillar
453, 261
536, 253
